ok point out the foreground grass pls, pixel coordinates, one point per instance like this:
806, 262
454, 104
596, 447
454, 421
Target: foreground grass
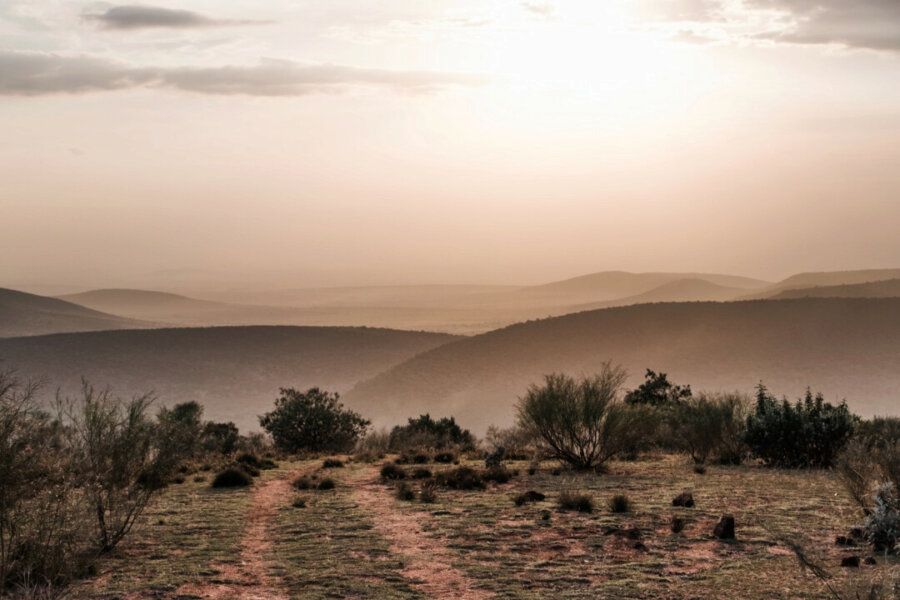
331, 547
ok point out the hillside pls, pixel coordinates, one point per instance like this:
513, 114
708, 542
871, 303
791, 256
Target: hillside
843, 347
679, 290
824, 279
28, 314
235, 372
889, 288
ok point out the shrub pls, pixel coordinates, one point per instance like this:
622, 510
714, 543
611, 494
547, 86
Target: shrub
619, 504
460, 478
392, 471
221, 438
574, 501
809, 433
879, 430
312, 421
676, 524
231, 477
199, 479
427, 494
181, 427
326, 484
517, 442
883, 525
700, 469
303, 483
332, 463
580, 422
496, 474
299, 502
658, 391
373, 446
444, 457
425, 432
709, 426
529, 497
404, 492
421, 473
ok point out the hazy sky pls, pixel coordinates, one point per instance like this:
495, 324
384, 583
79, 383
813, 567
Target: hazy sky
406, 141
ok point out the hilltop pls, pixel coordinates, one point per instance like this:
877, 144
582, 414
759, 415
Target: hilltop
29, 314
889, 288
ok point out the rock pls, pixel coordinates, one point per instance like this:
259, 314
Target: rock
850, 561
843, 540
685, 499
725, 528
870, 560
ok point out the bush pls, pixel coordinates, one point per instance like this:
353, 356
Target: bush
404, 492
460, 478
619, 504
445, 457
332, 463
529, 497
427, 494
517, 442
299, 502
421, 473
496, 474
809, 433
221, 438
574, 501
232, 477
312, 421
658, 391
303, 483
711, 426
373, 446
326, 484
580, 422
425, 432
392, 471
883, 525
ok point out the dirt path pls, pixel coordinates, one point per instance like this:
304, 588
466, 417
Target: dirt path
250, 579
427, 560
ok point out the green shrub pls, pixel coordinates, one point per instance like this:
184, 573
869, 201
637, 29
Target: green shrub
808, 433
619, 504
581, 422
425, 432
231, 477
574, 501
312, 421
460, 478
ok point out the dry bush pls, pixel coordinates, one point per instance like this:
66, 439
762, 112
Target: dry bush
374, 446
575, 501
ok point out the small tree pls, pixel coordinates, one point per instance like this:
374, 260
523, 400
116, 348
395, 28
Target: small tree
580, 422
657, 390
808, 433
427, 432
710, 425
181, 428
313, 420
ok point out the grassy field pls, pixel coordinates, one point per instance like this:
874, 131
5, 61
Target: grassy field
359, 541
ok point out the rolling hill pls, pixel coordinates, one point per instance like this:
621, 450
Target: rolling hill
842, 347
235, 372
824, 279
28, 314
679, 290
889, 288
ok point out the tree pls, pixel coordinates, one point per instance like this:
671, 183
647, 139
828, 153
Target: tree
427, 432
581, 422
657, 390
808, 433
313, 420
181, 427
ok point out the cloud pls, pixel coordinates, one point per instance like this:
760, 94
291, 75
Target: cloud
873, 24
33, 74
541, 9
679, 10
145, 17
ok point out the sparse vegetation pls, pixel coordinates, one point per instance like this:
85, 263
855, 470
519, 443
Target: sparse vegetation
581, 422
313, 421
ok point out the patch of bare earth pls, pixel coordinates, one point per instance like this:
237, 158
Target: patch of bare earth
426, 559
250, 578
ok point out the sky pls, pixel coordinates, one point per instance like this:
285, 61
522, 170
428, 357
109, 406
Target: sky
303, 143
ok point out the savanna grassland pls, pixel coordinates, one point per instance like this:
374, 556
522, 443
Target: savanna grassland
270, 540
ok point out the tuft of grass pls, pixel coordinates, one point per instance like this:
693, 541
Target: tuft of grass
332, 463
299, 502
574, 501
404, 492
326, 484
529, 496
427, 494
232, 477
496, 474
700, 469
421, 473
303, 483
620, 504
